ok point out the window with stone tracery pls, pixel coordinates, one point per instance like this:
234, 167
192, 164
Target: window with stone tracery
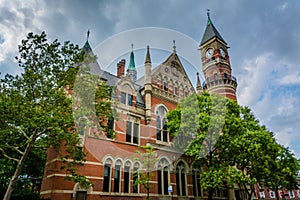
107, 174
117, 176
127, 177
135, 177
161, 124
181, 179
163, 177
196, 180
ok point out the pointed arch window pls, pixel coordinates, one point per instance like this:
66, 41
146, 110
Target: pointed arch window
216, 76
117, 176
225, 75
165, 86
161, 124
181, 179
107, 174
127, 177
196, 181
163, 177
135, 177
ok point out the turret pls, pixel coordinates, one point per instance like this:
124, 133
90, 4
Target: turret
215, 63
148, 86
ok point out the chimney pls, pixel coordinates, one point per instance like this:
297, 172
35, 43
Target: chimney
121, 68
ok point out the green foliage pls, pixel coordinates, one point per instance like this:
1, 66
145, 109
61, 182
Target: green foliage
148, 158
229, 143
36, 110
92, 102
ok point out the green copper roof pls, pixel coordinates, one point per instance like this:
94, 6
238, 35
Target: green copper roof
131, 64
87, 48
211, 32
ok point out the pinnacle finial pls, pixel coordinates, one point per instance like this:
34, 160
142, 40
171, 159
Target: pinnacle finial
88, 35
207, 12
198, 86
131, 47
148, 59
208, 16
174, 46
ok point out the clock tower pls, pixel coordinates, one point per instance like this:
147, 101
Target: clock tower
215, 63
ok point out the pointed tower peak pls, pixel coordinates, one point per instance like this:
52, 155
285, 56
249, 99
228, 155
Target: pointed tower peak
131, 68
210, 31
131, 62
208, 17
88, 35
174, 47
148, 58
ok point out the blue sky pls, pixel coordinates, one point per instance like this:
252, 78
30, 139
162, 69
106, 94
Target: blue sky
263, 37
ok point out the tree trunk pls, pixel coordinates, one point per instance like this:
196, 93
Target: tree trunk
276, 193
19, 168
210, 193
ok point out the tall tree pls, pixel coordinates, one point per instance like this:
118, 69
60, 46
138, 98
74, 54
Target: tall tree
227, 140
283, 170
36, 108
202, 131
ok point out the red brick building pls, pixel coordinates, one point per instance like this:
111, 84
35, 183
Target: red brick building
110, 163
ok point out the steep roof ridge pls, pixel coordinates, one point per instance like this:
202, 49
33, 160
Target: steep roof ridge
210, 32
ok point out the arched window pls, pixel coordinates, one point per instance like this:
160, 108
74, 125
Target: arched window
117, 176
181, 179
136, 169
107, 174
127, 177
163, 177
216, 76
196, 180
161, 124
225, 75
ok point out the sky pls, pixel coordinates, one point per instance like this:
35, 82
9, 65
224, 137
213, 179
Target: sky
263, 36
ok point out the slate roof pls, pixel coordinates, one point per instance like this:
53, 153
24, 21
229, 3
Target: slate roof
110, 79
211, 32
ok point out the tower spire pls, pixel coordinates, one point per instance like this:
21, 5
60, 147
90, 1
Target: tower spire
210, 31
148, 58
131, 63
174, 47
88, 35
208, 16
131, 68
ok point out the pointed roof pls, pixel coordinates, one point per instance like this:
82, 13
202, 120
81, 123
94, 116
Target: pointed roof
131, 63
87, 48
148, 58
210, 31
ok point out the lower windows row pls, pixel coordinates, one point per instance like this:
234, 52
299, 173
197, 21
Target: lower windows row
113, 176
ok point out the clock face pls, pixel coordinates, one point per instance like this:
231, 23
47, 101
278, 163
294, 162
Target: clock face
222, 52
209, 53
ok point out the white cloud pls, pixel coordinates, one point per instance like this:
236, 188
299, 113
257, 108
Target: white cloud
253, 82
282, 6
15, 23
124, 15
269, 96
293, 78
